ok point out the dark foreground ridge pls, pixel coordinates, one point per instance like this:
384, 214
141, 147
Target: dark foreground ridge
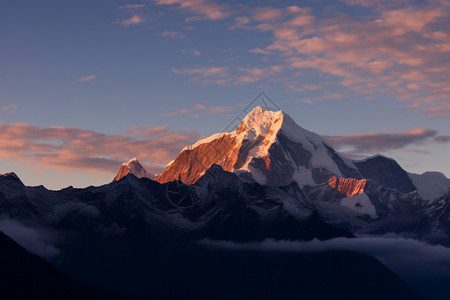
27, 276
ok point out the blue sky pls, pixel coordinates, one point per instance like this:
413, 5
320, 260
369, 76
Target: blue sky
85, 85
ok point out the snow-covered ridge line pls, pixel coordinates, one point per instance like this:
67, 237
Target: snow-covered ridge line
205, 141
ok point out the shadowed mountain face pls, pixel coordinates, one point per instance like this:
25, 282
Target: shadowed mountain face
387, 172
114, 235
26, 276
219, 206
138, 237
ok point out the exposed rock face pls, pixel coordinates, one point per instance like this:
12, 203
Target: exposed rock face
132, 166
347, 186
190, 165
376, 210
269, 148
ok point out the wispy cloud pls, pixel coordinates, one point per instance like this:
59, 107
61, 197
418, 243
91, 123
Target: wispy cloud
67, 149
225, 76
204, 71
259, 51
267, 14
172, 34
398, 49
193, 52
374, 142
401, 50
176, 113
200, 109
200, 8
442, 138
135, 19
10, 109
132, 6
87, 78
424, 265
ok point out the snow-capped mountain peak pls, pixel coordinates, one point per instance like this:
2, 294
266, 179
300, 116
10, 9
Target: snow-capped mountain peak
134, 167
267, 147
260, 121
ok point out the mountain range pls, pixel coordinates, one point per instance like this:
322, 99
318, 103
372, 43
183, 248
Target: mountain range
269, 179
145, 239
374, 195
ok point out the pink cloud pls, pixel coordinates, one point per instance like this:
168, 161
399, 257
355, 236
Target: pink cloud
263, 14
222, 75
395, 52
409, 19
240, 22
200, 109
259, 51
10, 109
399, 49
176, 113
148, 130
204, 71
68, 149
440, 110
201, 8
87, 78
132, 21
256, 74
219, 109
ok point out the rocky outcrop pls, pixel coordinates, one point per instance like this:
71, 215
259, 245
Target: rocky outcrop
347, 186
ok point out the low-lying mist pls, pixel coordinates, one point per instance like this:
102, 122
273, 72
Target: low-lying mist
425, 267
